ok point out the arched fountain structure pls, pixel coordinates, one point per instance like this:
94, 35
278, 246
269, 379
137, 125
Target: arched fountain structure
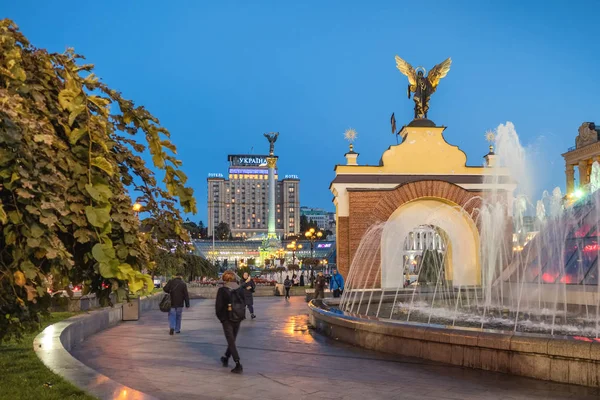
490, 294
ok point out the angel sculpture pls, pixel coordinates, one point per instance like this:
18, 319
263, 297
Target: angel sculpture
272, 138
422, 86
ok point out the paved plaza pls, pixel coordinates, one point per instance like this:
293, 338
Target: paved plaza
283, 359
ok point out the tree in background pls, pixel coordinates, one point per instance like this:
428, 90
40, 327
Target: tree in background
193, 229
203, 230
189, 265
222, 231
68, 161
431, 268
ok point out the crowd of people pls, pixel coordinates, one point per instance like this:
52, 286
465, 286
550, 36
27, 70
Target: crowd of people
234, 296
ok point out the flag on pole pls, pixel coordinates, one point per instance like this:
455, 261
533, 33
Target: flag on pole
393, 120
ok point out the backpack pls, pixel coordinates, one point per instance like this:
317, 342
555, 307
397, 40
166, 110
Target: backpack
236, 306
165, 303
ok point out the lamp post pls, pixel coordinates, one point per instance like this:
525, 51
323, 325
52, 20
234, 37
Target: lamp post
137, 207
293, 247
324, 263
313, 235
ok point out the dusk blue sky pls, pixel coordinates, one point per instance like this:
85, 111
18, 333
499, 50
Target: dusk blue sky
219, 74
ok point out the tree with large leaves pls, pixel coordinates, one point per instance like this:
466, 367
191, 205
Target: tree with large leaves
70, 155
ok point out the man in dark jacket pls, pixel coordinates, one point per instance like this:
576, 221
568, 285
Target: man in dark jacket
177, 289
249, 288
320, 283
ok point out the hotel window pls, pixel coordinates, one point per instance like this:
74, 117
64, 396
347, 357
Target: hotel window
291, 189
291, 209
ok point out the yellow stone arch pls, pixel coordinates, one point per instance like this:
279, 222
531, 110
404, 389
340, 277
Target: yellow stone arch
463, 264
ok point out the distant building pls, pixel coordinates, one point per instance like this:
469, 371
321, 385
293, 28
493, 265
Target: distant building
241, 199
325, 220
236, 252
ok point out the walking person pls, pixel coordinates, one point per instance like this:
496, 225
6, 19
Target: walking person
320, 283
231, 310
249, 288
337, 283
287, 284
302, 279
177, 289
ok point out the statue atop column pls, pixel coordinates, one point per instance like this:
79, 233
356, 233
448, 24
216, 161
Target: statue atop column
422, 86
272, 138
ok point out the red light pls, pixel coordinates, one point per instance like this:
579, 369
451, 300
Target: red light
548, 277
583, 231
591, 247
566, 279
585, 339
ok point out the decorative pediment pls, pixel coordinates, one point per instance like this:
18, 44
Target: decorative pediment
424, 151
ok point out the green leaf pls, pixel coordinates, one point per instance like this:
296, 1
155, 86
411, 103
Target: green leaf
124, 271
14, 217
100, 102
103, 253
98, 216
65, 97
136, 283
103, 164
99, 192
36, 231
32, 210
3, 216
29, 269
122, 252
33, 242
76, 134
106, 270
75, 113
83, 235
48, 139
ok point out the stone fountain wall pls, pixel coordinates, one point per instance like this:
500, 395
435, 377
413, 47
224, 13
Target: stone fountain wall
565, 360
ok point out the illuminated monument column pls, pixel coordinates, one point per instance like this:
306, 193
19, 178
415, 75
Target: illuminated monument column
272, 163
271, 244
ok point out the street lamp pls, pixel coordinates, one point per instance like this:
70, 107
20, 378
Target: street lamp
324, 263
313, 235
293, 247
137, 207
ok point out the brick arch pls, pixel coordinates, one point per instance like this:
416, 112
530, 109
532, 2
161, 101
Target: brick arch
391, 200
370, 207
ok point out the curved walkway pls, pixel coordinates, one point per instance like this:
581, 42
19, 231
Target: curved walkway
283, 359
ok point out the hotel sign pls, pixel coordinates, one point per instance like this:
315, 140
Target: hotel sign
250, 160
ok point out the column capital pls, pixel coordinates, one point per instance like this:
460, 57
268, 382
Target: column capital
272, 162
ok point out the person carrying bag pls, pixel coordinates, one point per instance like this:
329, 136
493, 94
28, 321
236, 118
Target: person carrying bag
337, 284
230, 307
177, 295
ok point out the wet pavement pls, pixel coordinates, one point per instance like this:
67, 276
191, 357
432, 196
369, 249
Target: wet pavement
283, 359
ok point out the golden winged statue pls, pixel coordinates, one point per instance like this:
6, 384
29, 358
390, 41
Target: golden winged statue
422, 86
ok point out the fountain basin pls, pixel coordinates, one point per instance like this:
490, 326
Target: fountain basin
565, 359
